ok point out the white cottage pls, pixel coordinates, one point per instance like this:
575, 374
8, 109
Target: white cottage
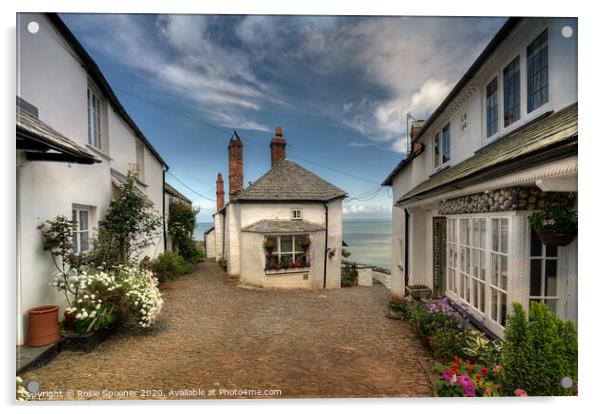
502, 144
74, 144
296, 212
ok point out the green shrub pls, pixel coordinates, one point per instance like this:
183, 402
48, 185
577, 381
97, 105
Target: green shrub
169, 265
538, 352
223, 263
188, 249
349, 276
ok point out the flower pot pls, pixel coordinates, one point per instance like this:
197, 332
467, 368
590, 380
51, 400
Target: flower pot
69, 320
394, 313
418, 292
43, 327
552, 238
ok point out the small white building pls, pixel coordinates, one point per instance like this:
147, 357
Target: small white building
74, 144
288, 206
502, 144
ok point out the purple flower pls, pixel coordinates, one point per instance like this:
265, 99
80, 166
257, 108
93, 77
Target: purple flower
447, 375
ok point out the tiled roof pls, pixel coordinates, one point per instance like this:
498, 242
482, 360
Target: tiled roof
553, 130
48, 139
283, 226
288, 181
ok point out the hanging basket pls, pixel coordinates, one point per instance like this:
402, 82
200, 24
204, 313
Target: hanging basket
552, 238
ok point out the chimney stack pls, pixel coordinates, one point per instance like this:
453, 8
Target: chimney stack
414, 131
278, 147
235, 164
220, 191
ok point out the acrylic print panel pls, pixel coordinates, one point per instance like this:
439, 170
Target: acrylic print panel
160, 159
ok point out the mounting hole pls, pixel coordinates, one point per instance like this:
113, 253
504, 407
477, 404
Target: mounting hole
566, 32
566, 382
33, 27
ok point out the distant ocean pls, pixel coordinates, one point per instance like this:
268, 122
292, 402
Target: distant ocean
369, 240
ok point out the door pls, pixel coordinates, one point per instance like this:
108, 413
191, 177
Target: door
439, 255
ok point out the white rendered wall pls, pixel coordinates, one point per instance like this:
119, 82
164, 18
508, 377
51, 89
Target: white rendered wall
210, 244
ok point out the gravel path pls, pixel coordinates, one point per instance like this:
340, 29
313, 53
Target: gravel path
217, 341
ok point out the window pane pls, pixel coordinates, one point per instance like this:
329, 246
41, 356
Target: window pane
482, 297
494, 270
504, 234
551, 251
483, 233
475, 293
445, 144
552, 305
84, 241
495, 235
512, 92
537, 72
483, 268
437, 150
503, 308
504, 272
298, 247
551, 280
83, 220
535, 244
492, 108
535, 278
286, 244
494, 304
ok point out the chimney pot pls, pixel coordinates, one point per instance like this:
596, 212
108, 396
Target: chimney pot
278, 131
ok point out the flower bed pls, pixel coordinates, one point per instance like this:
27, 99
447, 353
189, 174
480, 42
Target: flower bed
471, 365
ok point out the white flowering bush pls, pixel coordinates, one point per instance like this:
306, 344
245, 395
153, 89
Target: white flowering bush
100, 297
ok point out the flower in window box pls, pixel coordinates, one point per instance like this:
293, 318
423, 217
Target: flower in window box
298, 264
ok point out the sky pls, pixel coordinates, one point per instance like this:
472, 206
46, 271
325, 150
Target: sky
339, 86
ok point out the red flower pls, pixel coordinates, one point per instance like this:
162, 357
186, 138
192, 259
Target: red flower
456, 358
484, 371
478, 376
470, 368
468, 361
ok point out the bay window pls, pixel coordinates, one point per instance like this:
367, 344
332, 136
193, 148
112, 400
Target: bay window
288, 252
477, 264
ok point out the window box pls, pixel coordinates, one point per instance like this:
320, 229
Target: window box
419, 292
291, 271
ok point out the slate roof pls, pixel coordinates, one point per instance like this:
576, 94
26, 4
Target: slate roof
283, 226
170, 190
288, 181
547, 133
35, 135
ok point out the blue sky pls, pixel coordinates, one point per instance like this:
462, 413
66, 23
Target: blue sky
340, 88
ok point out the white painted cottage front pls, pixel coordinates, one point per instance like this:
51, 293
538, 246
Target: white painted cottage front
522, 87
60, 87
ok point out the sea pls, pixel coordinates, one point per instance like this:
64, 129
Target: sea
368, 239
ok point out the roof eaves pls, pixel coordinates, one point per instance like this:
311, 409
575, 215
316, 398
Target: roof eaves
401, 165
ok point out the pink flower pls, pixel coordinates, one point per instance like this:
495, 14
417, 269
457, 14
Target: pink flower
447, 375
497, 369
520, 392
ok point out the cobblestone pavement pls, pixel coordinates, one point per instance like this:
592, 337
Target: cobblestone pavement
211, 336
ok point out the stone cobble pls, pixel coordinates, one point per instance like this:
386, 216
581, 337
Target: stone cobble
211, 336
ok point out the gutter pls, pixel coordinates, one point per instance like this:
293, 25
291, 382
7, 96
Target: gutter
406, 247
325, 242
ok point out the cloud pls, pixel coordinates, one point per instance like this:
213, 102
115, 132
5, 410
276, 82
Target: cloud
177, 54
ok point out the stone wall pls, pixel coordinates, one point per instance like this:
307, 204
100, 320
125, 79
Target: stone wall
367, 274
506, 199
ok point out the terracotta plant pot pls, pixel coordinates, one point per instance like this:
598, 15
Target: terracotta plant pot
551, 238
43, 328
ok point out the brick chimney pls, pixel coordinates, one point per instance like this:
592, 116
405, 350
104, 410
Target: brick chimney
414, 131
220, 191
235, 164
278, 147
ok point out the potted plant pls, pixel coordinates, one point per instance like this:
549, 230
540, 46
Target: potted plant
397, 306
269, 245
419, 291
305, 243
555, 226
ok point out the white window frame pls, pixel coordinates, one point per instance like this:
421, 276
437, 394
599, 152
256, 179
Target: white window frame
437, 150
278, 247
543, 258
547, 45
457, 244
95, 117
296, 214
78, 230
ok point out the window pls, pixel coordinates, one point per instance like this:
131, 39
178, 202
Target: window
437, 150
140, 160
537, 72
94, 118
499, 270
81, 230
288, 252
445, 145
512, 92
296, 214
543, 283
471, 242
492, 108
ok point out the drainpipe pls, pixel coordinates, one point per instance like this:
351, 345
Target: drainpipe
164, 223
325, 242
406, 249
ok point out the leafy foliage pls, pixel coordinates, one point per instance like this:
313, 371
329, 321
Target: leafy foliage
169, 265
349, 276
223, 263
538, 352
182, 220
557, 219
466, 379
129, 225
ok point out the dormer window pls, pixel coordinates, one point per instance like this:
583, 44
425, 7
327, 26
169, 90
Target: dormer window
296, 214
512, 92
537, 72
